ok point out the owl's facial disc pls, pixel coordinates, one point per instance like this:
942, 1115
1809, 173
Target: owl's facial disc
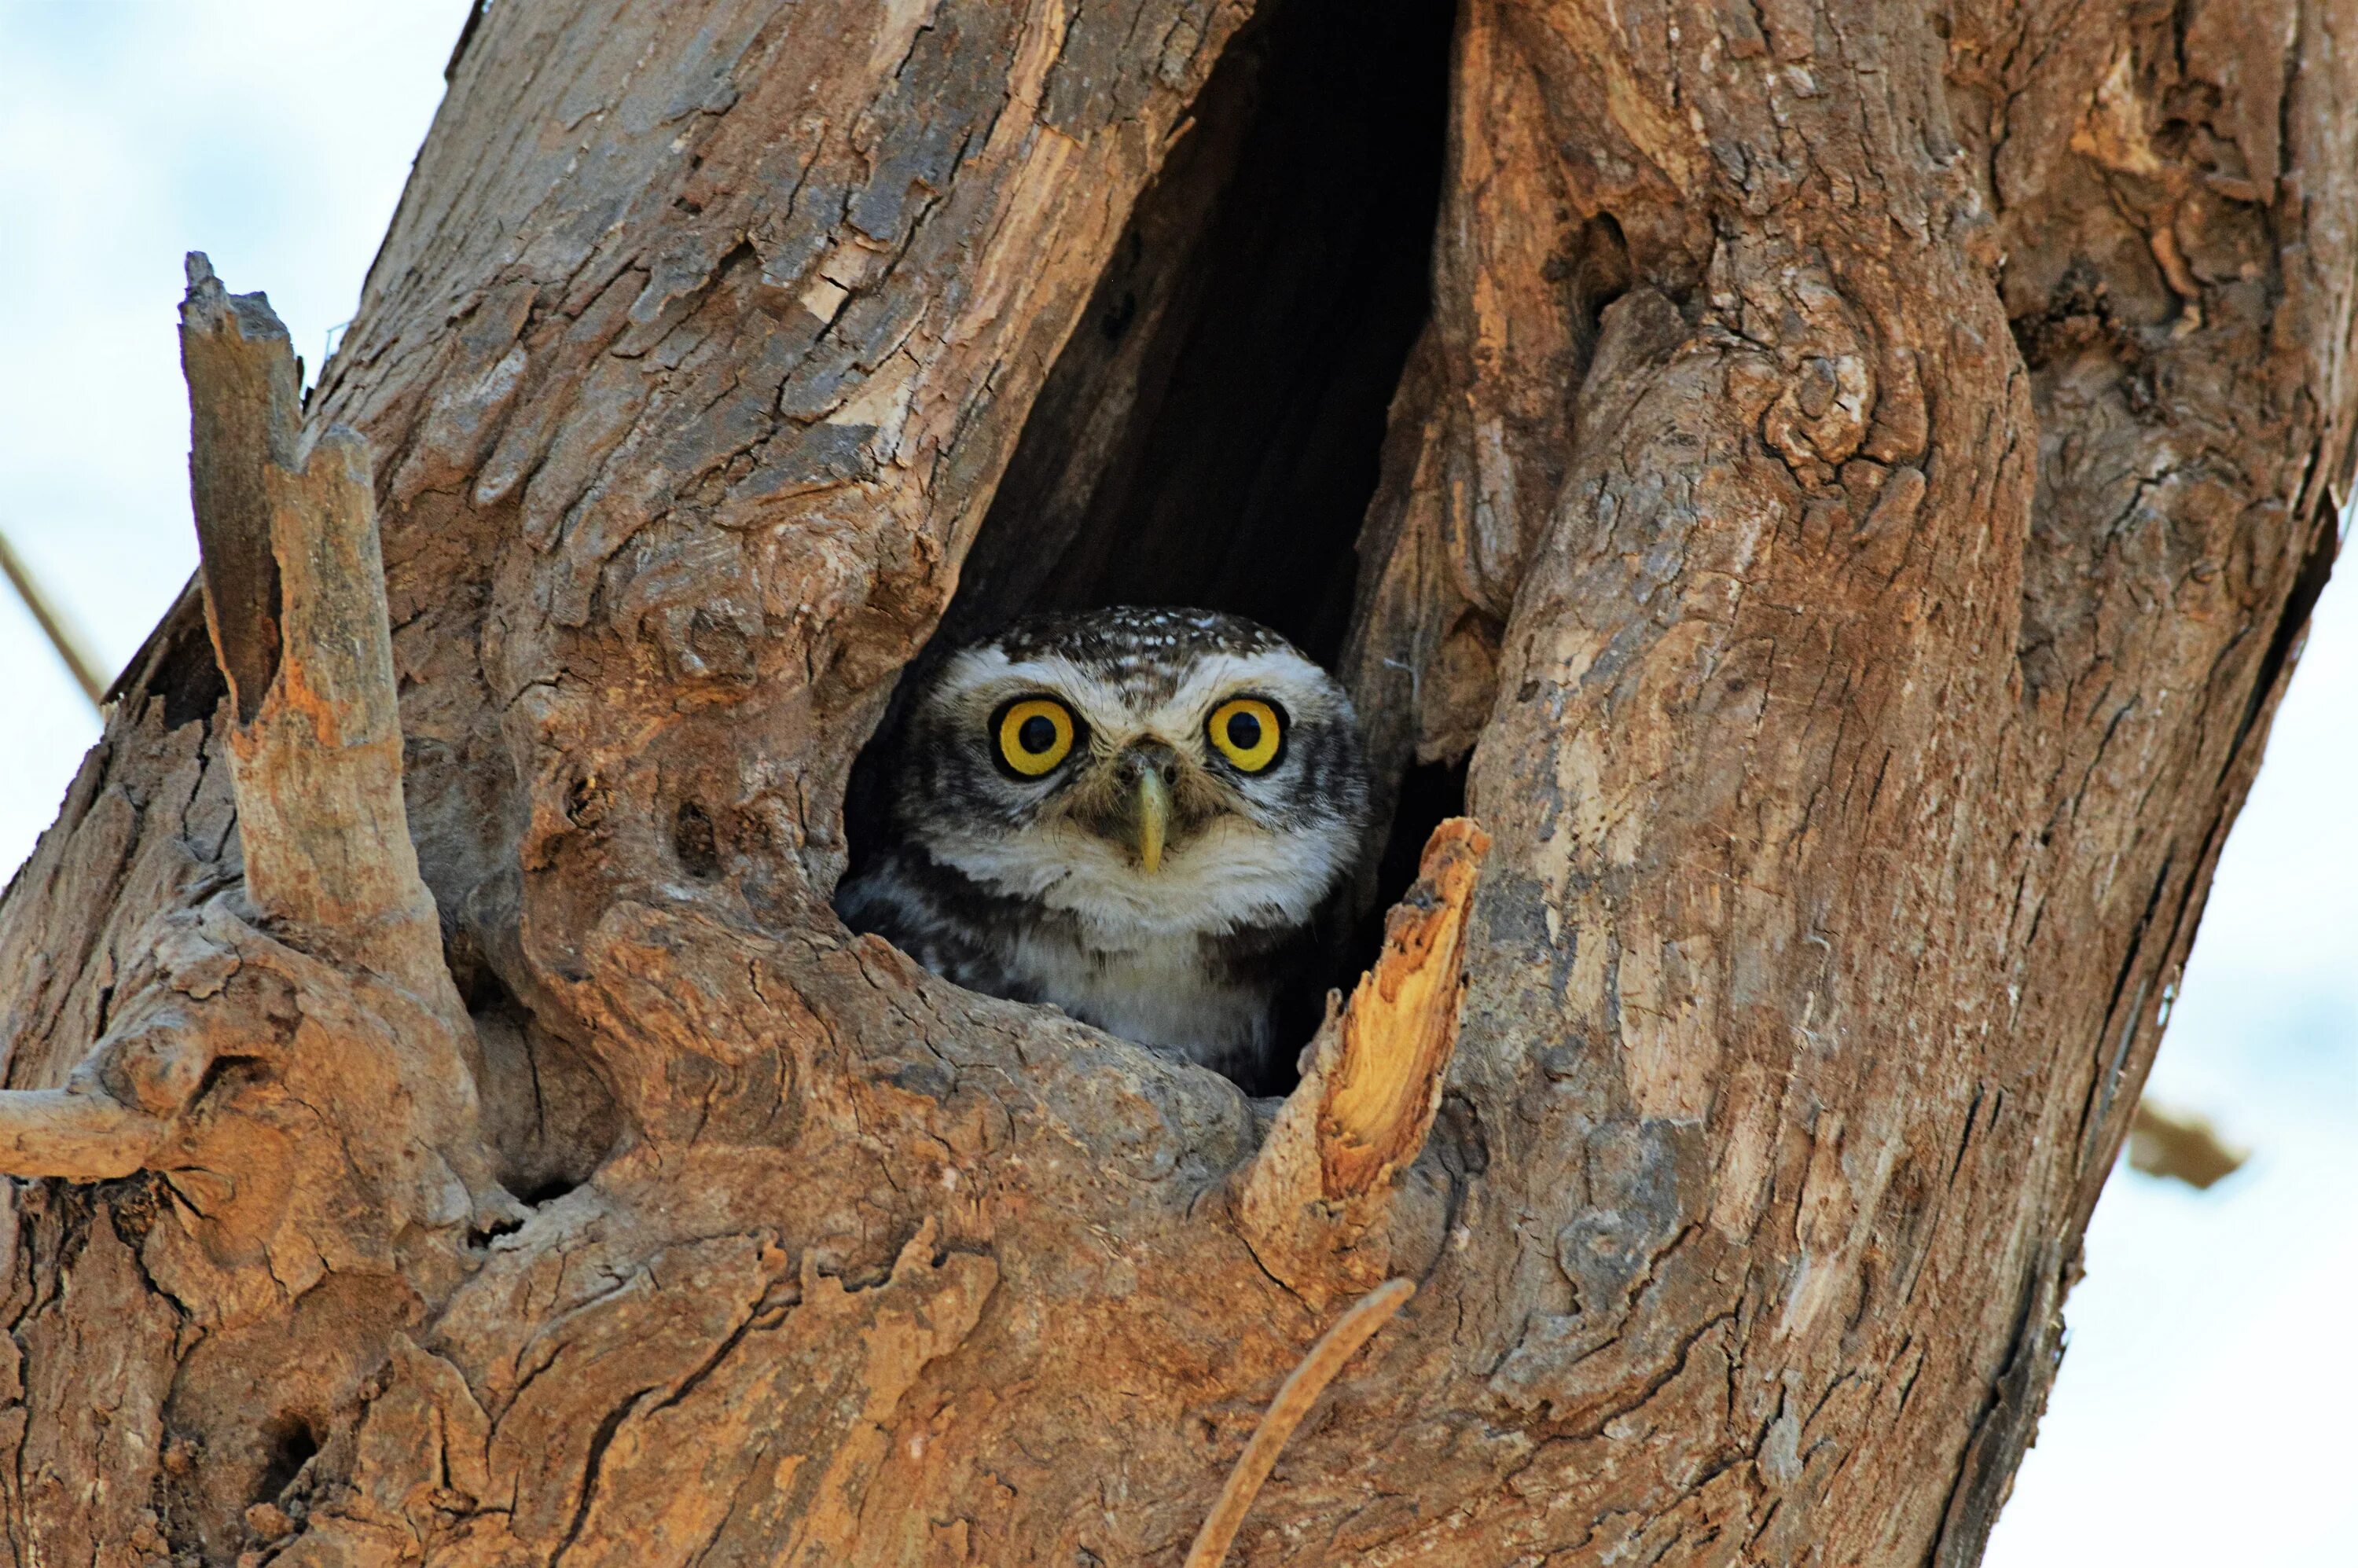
1151, 772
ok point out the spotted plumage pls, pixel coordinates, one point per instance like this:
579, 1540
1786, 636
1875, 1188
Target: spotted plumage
1132, 814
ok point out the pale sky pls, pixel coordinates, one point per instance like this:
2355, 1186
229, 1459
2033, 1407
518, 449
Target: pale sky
2204, 1411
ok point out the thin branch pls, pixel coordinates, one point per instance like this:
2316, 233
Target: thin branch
1300, 1391
62, 636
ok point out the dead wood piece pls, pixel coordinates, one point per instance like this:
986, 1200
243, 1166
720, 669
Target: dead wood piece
1321, 1181
1294, 1397
294, 600
242, 414
118, 1108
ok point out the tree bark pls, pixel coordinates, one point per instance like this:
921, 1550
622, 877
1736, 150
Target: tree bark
1856, 499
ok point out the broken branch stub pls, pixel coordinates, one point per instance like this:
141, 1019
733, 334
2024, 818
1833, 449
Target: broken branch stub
294, 589
76, 1133
1313, 1203
349, 947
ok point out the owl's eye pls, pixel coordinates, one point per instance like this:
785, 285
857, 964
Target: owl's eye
1247, 733
1034, 735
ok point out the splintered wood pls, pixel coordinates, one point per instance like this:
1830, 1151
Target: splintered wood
1313, 1202
1397, 1032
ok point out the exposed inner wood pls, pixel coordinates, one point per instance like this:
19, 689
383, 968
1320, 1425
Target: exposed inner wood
1396, 1034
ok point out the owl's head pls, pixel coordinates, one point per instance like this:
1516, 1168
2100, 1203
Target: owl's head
1168, 770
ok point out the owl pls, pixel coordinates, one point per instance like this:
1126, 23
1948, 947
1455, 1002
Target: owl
1132, 814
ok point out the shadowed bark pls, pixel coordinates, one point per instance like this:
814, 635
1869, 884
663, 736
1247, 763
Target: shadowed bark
1849, 507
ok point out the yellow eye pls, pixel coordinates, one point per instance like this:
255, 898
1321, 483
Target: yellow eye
1247, 733
1034, 735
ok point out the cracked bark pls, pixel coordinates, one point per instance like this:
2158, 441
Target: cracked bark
1856, 497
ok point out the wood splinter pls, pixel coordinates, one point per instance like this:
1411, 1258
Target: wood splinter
1312, 1203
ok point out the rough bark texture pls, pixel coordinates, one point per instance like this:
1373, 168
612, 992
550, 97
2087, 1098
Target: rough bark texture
1857, 496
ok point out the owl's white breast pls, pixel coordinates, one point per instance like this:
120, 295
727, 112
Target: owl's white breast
1164, 993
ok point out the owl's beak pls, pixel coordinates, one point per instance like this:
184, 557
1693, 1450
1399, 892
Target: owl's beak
1154, 817
1145, 769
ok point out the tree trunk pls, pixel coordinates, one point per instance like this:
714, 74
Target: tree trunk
1856, 497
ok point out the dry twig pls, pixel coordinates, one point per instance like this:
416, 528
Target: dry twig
1299, 1392
70, 644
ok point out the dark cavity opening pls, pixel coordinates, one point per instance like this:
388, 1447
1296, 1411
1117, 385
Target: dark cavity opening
1430, 794
288, 1444
176, 663
1209, 435
694, 841
546, 1112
